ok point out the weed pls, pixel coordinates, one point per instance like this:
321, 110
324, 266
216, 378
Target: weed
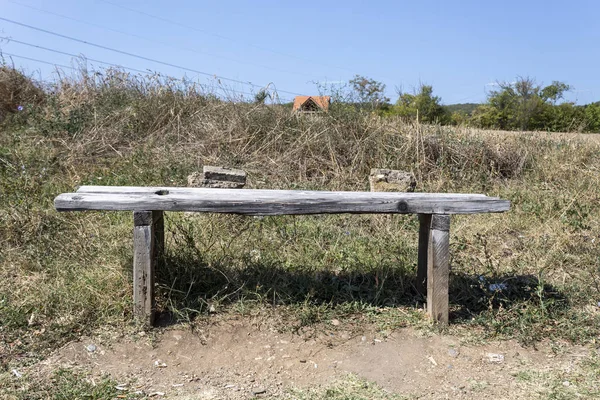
63, 384
349, 388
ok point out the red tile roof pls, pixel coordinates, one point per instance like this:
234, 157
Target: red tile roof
321, 101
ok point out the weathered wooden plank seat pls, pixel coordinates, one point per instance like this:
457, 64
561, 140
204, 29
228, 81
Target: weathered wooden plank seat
149, 203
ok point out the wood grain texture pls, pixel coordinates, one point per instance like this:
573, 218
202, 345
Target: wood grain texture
256, 192
144, 260
424, 229
438, 260
274, 202
159, 237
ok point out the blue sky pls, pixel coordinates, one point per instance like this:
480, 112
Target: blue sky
459, 47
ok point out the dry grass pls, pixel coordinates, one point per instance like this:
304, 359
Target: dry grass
65, 274
17, 90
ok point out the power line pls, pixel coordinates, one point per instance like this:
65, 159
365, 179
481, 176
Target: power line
170, 45
71, 54
3, 53
217, 35
138, 56
37, 60
101, 62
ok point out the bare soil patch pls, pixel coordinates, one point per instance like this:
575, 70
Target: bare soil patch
240, 359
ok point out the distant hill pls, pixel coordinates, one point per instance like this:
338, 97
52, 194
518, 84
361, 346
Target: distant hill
464, 108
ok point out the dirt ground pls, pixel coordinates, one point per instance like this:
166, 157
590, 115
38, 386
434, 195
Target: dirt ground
241, 359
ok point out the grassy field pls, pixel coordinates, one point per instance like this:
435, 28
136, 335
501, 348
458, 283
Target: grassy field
67, 275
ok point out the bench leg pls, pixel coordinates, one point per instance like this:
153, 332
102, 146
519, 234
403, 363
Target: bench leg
438, 260
424, 229
159, 236
148, 243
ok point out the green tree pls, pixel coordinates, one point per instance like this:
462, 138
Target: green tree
592, 117
554, 92
421, 104
564, 117
523, 105
369, 92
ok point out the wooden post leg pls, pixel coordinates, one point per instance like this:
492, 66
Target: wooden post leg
438, 260
424, 228
144, 261
159, 237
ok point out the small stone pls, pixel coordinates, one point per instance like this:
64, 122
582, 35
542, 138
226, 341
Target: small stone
389, 180
495, 358
335, 322
91, 348
566, 383
453, 352
160, 364
497, 287
259, 390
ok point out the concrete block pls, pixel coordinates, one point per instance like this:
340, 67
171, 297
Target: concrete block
218, 177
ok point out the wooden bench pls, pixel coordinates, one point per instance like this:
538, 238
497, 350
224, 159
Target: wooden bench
149, 203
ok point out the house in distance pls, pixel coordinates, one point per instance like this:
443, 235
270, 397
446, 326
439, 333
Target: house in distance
311, 104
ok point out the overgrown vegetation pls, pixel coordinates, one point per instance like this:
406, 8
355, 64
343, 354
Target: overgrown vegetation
522, 105
530, 274
17, 91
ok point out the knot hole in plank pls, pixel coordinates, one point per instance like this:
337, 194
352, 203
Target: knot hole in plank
402, 206
161, 192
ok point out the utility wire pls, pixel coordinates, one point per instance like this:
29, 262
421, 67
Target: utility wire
217, 35
11, 40
170, 45
83, 57
138, 56
3, 53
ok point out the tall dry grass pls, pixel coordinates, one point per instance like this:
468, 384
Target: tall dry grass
17, 91
65, 274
